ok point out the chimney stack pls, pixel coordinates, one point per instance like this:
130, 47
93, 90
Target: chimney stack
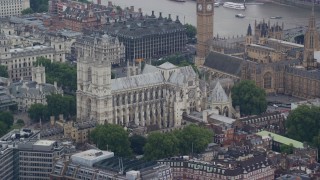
109, 3
55, 84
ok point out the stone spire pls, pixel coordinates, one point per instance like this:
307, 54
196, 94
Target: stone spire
249, 31
311, 43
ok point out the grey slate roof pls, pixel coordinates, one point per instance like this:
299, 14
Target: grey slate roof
29, 88
181, 75
224, 63
137, 81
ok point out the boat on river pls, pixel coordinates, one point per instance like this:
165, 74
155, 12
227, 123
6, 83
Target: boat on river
232, 5
179, 0
275, 17
240, 16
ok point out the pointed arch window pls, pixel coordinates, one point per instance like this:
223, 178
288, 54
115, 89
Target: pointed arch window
267, 81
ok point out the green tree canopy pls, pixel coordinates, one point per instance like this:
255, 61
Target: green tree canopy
6, 122
3, 128
303, 123
195, 137
113, 138
38, 111
20, 122
39, 5
137, 142
287, 149
160, 145
27, 11
3, 71
64, 74
191, 32
250, 98
7, 118
191, 138
58, 104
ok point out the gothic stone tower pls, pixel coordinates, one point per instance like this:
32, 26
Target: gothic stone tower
94, 99
204, 29
311, 43
249, 38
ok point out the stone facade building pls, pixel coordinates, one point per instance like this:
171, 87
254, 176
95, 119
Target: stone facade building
78, 131
156, 96
276, 66
19, 60
28, 92
149, 37
104, 46
13, 7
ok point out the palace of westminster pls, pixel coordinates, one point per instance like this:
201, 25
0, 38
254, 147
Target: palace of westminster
160, 95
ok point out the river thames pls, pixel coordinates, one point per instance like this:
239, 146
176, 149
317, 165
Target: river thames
225, 22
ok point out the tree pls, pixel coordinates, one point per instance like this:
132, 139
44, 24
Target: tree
6, 121
39, 5
137, 142
3, 128
250, 98
27, 11
3, 71
111, 137
161, 145
20, 122
7, 118
287, 149
191, 32
194, 138
38, 111
58, 104
64, 74
303, 123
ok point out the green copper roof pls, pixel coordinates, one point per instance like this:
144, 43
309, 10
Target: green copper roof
281, 139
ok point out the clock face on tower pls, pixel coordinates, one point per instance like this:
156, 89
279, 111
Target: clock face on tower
199, 7
209, 7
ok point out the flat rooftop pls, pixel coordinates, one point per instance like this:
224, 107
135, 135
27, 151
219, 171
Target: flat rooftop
112, 164
93, 154
44, 143
30, 48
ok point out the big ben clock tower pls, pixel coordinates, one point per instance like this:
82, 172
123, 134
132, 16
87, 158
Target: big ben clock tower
204, 29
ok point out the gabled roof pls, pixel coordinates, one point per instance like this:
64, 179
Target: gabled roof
167, 65
218, 94
137, 81
149, 69
224, 63
181, 75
